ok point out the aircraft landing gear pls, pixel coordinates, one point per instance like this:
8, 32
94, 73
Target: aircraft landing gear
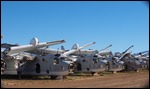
19, 74
92, 73
137, 70
58, 77
114, 72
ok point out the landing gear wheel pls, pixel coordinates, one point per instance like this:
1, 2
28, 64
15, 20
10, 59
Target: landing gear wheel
92, 73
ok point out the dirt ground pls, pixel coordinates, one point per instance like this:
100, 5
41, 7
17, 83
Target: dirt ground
104, 80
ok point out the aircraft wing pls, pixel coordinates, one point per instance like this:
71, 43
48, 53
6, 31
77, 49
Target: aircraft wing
5, 45
30, 47
86, 52
76, 48
141, 53
47, 51
124, 55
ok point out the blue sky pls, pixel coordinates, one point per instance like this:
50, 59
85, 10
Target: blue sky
121, 24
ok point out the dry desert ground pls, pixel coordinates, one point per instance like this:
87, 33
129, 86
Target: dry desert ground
103, 80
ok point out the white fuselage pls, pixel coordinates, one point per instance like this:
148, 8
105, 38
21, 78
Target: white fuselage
88, 63
41, 65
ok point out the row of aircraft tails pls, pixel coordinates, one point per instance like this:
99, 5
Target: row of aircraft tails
37, 59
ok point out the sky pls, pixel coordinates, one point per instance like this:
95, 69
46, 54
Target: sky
120, 23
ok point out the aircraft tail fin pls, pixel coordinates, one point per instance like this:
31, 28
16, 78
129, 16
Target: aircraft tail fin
62, 48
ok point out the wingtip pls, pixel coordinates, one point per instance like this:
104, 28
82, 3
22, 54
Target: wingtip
63, 41
94, 42
132, 45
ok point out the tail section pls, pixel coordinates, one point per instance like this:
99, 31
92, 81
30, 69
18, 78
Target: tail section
63, 48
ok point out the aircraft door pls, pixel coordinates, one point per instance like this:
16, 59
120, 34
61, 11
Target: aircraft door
38, 68
79, 67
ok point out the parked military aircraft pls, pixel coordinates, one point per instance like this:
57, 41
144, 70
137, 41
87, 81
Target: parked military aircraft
54, 65
10, 54
115, 63
90, 61
137, 61
87, 55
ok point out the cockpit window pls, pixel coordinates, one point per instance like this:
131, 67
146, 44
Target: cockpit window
95, 60
56, 60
